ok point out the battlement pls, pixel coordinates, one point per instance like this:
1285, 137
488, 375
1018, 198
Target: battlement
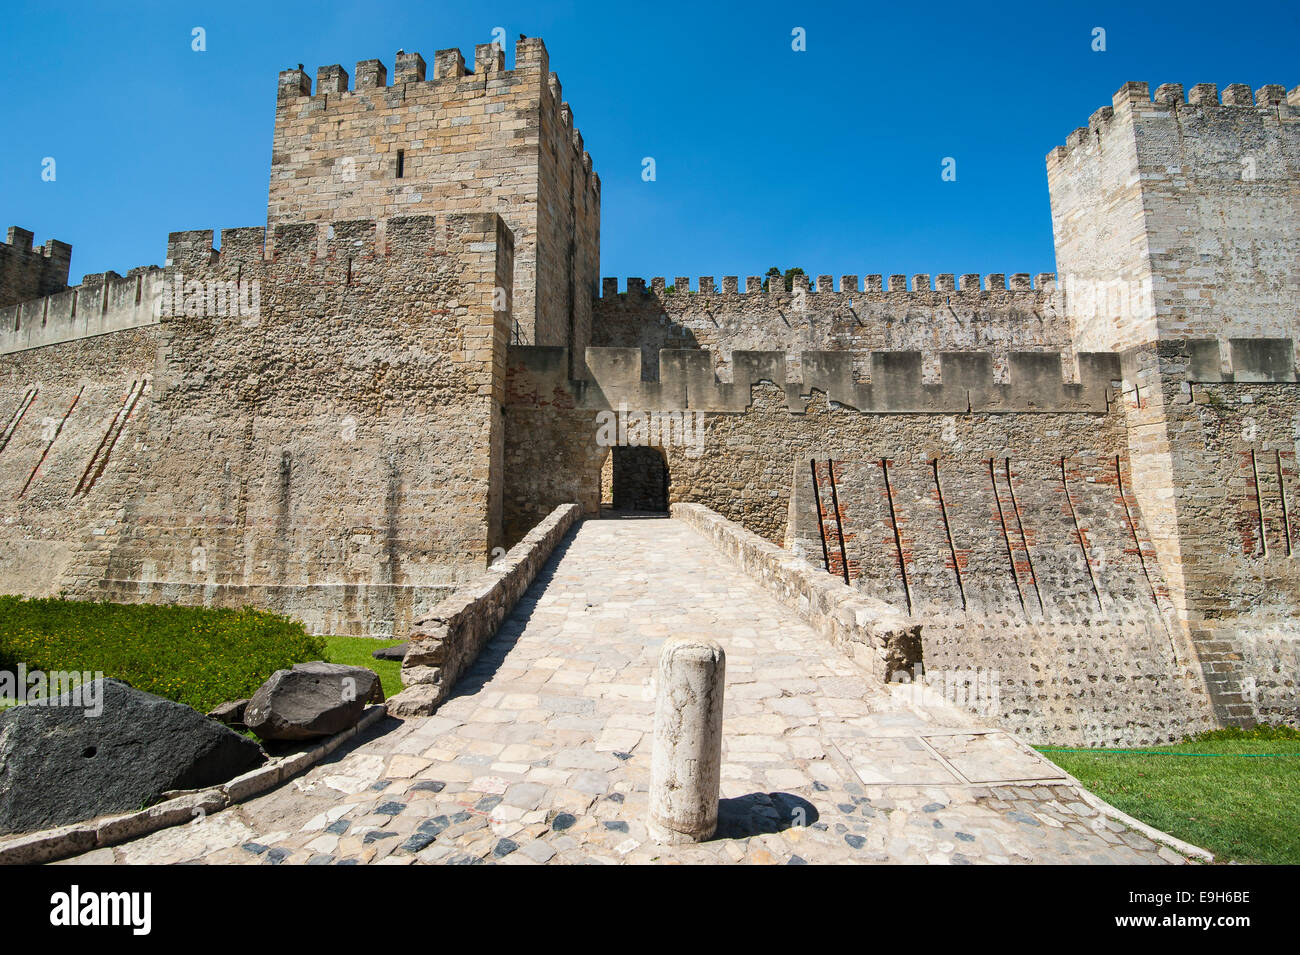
410, 68
355, 240
686, 381
875, 285
104, 302
1134, 100
450, 75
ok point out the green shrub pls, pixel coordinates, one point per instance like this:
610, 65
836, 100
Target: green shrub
194, 655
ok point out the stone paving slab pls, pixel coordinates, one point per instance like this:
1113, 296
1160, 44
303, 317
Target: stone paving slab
542, 755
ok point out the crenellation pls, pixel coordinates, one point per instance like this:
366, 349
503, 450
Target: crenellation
1170, 95
243, 245
294, 84
371, 74
408, 67
489, 59
448, 64
1203, 94
1237, 94
680, 380
1270, 95
331, 79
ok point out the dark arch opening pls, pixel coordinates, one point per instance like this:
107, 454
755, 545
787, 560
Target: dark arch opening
640, 480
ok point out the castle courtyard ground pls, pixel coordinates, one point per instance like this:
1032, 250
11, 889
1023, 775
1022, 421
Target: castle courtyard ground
543, 754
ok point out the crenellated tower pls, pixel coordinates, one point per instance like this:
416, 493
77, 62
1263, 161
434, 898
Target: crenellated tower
452, 138
1177, 229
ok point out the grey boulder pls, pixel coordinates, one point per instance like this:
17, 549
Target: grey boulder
60, 762
311, 700
391, 653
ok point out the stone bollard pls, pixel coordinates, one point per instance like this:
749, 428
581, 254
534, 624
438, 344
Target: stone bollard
686, 768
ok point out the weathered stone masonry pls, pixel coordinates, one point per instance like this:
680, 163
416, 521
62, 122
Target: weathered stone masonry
1084, 484
336, 455
27, 273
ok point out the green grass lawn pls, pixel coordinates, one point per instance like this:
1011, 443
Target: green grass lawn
355, 651
1239, 797
199, 656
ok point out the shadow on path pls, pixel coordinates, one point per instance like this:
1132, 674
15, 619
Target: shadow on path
759, 814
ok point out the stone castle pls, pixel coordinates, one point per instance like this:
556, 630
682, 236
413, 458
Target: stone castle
1083, 484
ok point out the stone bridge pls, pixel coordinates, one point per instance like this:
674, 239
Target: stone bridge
542, 755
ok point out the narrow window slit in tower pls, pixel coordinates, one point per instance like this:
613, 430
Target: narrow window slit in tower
349, 272
401, 163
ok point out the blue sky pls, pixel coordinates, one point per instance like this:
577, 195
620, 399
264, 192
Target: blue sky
829, 159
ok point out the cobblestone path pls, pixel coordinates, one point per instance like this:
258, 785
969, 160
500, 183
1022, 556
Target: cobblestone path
543, 756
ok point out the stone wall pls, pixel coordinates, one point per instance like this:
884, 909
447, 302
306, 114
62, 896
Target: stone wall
1231, 451
1050, 583
470, 139
26, 272
1031, 569
333, 452
947, 313
751, 429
